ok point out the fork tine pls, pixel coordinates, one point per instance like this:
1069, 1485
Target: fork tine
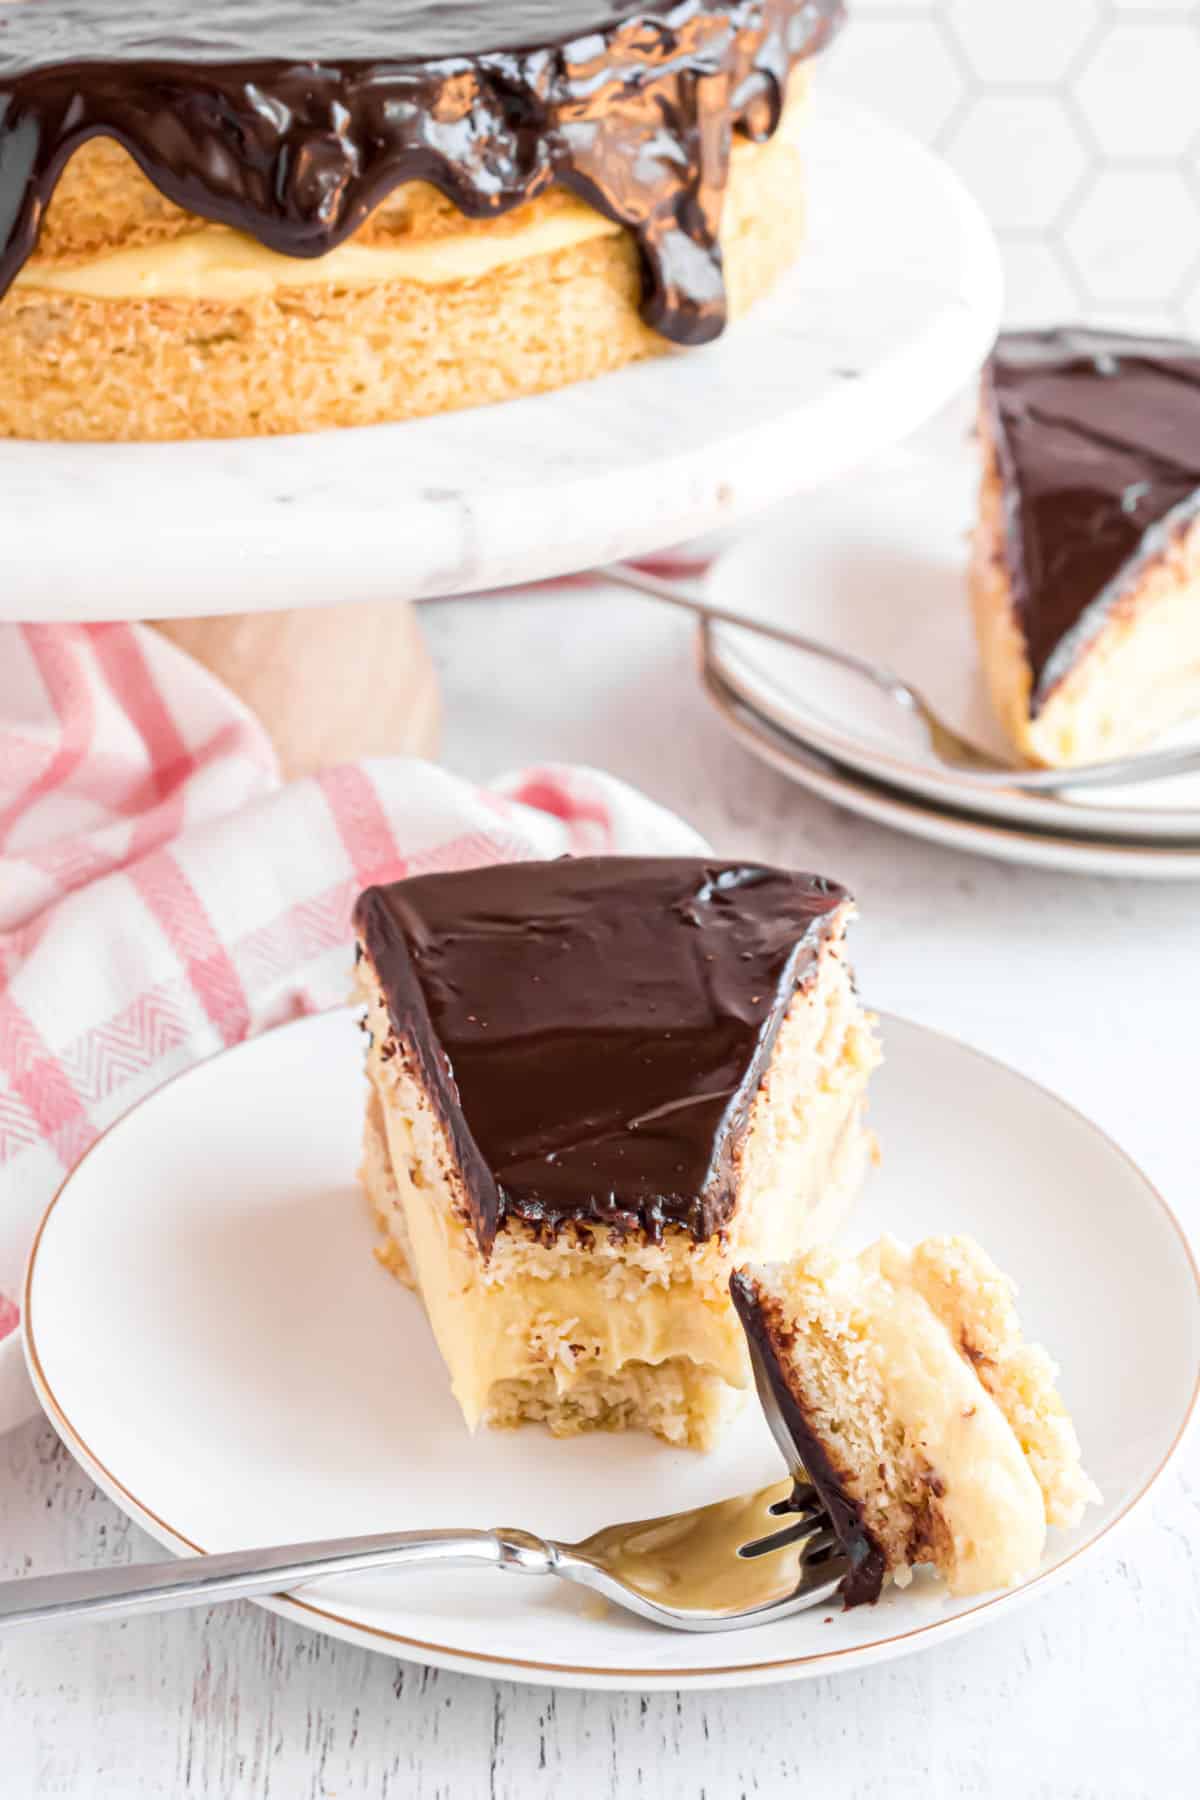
732, 1563
803, 1498
822, 1544
820, 1560
795, 1533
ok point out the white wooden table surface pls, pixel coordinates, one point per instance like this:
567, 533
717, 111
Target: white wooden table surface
1091, 986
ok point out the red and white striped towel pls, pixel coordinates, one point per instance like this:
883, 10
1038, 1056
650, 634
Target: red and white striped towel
163, 893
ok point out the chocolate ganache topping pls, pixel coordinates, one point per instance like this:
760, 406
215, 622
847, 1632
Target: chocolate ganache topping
767, 1336
1097, 437
291, 120
593, 1031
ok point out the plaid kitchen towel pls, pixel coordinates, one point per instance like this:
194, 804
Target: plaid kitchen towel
163, 893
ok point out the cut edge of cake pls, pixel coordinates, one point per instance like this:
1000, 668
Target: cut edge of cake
932, 1432
588, 1326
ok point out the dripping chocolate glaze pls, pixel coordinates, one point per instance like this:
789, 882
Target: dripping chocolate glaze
864, 1579
1097, 436
292, 121
592, 1031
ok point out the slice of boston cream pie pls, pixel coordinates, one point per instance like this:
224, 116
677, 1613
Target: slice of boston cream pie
932, 1432
597, 1085
1085, 575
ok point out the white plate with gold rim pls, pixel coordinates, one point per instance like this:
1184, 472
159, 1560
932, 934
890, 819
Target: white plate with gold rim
1150, 859
209, 1332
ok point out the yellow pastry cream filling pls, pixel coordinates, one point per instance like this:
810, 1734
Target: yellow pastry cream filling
569, 1324
217, 263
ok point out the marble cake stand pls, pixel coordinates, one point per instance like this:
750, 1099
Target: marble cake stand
889, 311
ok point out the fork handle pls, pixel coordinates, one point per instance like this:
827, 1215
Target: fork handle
200, 1580
642, 582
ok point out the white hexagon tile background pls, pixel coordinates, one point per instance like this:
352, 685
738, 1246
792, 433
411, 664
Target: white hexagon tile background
1076, 124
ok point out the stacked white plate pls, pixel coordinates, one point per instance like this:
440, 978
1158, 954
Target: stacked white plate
877, 565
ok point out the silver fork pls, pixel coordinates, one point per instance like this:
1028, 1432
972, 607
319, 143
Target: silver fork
950, 748
737, 1562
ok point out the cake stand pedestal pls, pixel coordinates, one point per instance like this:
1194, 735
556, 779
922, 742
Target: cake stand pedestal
368, 664
888, 312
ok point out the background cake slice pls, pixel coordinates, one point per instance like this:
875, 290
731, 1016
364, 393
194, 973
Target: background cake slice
596, 1085
931, 1430
1085, 576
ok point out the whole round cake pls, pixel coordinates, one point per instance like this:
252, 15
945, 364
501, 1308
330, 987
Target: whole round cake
267, 216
